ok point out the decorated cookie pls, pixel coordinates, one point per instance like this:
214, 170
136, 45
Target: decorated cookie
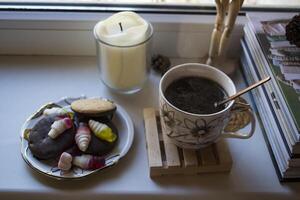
101, 147
93, 107
102, 131
55, 111
44, 147
65, 161
83, 136
89, 162
59, 126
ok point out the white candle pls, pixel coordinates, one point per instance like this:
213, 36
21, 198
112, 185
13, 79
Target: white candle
123, 61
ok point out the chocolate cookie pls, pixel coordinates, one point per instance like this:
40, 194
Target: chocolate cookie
44, 147
93, 107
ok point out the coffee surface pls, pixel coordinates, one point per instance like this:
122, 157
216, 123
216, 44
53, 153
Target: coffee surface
196, 95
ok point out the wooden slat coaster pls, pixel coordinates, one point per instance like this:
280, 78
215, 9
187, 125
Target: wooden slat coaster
165, 158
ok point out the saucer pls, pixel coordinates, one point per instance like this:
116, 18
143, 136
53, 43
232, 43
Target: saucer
121, 120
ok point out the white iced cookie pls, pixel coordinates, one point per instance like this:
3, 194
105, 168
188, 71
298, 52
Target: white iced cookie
59, 126
55, 111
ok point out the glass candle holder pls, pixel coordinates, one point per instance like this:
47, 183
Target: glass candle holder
124, 68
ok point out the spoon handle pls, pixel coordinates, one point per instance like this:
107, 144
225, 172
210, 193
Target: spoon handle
245, 90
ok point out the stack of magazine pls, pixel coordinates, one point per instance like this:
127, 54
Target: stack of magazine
266, 52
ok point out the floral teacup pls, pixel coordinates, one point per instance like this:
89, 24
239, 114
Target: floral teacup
195, 131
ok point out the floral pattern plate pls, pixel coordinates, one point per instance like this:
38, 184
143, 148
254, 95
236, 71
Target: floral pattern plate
49, 167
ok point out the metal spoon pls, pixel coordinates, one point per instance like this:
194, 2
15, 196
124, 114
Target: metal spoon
242, 91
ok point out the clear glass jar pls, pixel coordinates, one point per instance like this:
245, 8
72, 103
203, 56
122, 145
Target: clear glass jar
124, 69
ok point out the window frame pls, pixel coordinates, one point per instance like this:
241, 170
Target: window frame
42, 24
159, 8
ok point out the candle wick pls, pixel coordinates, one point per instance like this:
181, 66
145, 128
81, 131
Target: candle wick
120, 24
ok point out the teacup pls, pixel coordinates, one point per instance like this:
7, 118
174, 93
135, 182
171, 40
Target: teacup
195, 131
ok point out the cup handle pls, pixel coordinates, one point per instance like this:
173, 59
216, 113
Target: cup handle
241, 106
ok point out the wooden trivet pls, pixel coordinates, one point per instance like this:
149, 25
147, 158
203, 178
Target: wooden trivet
165, 158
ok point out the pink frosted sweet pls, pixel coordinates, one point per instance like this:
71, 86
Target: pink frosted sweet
68, 122
89, 162
65, 161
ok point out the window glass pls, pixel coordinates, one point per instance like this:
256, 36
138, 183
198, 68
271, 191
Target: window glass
247, 3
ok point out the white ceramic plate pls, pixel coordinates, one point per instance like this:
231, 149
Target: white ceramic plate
49, 167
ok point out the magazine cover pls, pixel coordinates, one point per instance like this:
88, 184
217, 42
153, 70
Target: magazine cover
287, 168
281, 122
283, 59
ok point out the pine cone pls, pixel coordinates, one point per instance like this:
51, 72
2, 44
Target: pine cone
293, 31
160, 63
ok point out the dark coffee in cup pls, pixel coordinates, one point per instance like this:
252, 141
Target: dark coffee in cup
195, 95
